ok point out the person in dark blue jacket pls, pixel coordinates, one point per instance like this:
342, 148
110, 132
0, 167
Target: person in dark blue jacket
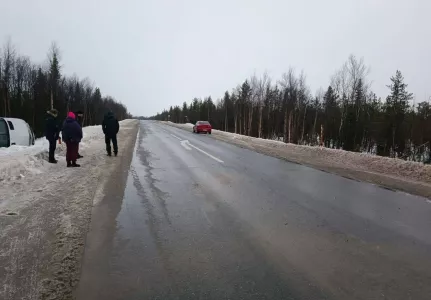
72, 135
52, 133
110, 127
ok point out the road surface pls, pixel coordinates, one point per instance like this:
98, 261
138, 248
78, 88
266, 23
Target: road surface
203, 219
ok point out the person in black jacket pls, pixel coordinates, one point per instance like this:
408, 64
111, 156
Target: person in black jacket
79, 118
52, 133
110, 127
72, 135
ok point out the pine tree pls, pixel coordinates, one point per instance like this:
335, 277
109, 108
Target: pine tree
226, 100
331, 117
184, 113
397, 104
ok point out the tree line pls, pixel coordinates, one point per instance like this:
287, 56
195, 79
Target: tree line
346, 115
28, 90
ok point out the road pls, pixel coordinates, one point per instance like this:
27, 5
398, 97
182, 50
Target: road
203, 219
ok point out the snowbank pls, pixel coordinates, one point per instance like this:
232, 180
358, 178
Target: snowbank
325, 157
17, 162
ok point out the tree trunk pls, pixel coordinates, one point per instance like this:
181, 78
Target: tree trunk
8, 104
286, 115
260, 121
303, 125
250, 119
322, 139
314, 125
235, 117
240, 120
269, 133
225, 121
244, 121
290, 127
340, 130
3, 92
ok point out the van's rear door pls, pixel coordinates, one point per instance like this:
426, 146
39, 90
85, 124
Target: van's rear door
4, 134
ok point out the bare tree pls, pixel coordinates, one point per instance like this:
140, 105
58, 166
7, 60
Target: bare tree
254, 99
346, 81
317, 105
9, 54
263, 85
303, 100
289, 85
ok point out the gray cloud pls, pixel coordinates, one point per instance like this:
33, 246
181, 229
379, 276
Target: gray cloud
152, 54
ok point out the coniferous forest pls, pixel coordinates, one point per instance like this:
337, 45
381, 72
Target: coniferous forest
28, 90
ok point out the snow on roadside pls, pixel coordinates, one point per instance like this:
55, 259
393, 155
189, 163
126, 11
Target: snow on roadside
45, 215
349, 160
321, 156
17, 162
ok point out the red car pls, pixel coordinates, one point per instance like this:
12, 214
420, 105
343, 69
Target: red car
202, 126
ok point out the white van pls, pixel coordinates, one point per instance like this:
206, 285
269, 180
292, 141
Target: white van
15, 132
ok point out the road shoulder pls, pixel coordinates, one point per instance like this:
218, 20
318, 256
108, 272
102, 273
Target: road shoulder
42, 242
103, 226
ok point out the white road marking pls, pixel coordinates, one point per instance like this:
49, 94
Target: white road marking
206, 153
176, 137
186, 144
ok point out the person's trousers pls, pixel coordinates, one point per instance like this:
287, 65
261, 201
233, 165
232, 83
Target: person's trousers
71, 152
52, 147
108, 139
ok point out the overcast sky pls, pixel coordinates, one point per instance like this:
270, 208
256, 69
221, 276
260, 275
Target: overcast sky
150, 54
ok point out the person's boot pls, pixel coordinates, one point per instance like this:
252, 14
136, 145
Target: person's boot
109, 154
51, 158
75, 165
80, 156
69, 164
115, 153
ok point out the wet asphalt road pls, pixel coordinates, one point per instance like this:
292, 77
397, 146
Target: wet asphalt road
208, 220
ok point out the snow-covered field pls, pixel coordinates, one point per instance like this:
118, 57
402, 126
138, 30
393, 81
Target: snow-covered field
45, 210
366, 167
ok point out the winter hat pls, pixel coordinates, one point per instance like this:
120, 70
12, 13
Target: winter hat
71, 115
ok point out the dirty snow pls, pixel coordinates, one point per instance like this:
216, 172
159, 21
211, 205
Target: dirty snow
45, 210
20, 161
334, 159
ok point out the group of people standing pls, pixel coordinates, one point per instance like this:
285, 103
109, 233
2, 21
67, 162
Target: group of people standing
71, 134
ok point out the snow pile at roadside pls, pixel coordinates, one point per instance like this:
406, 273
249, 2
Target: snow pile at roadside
345, 159
39, 146
17, 162
320, 156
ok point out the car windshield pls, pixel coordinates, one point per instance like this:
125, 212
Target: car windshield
203, 123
